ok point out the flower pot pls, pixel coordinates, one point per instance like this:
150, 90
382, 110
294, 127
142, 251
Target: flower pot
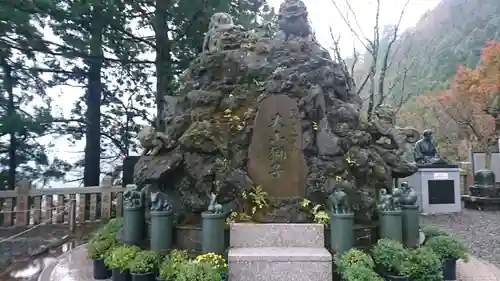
224, 276
119, 275
212, 233
450, 269
133, 225
391, 225
341, 232
161, 230
101, 272
411, 225
150, 276
389, 277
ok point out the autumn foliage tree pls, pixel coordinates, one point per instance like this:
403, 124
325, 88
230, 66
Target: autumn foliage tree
471, 100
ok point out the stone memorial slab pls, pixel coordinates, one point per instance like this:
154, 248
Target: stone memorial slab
275, 158
128, 169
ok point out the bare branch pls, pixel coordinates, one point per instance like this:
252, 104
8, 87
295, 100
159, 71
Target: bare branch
346, 21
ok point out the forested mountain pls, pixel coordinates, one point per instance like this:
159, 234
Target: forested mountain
425, 57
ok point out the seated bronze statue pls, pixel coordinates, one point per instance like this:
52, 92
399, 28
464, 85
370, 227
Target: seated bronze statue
425, 152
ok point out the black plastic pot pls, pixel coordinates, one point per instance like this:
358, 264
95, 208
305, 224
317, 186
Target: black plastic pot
450, 269
150, 276
389, 277
101, 272
119, 275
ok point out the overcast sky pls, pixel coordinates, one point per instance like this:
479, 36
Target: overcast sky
322, 14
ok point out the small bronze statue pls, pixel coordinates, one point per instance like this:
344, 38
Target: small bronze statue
409, 195
397, 198
133, 199
385, 201
425, 152
337, 202
159, 204
214, 207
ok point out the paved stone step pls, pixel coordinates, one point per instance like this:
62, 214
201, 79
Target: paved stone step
253, 235
279, 264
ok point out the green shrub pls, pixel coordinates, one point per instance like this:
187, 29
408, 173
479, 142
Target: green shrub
353, 257
145, 262
391, 256
432, 231
113, 225
447, 247
192, 271
425, 265
119, 257
99, 245
358, 272
172, 264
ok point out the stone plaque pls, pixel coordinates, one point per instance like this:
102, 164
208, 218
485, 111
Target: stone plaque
441, 191
275, 158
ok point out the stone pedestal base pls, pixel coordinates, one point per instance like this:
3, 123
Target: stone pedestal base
438, 189
278, 252
481, 203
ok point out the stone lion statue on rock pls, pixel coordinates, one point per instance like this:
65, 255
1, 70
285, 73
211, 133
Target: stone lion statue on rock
383, 124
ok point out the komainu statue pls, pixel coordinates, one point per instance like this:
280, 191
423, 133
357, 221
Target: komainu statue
152, 141
383, 124
219, 24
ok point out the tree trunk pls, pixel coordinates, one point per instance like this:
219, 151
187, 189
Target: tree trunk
91, 172
162, 61
8, 84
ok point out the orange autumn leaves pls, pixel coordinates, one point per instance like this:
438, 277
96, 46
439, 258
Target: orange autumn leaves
471, 93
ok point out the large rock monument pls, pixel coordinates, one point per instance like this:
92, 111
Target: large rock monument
266, 108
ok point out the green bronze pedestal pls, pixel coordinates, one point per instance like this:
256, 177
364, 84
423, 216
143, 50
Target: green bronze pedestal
411, 225
133, 225
341, 232
161, 230
391, 225
212, 232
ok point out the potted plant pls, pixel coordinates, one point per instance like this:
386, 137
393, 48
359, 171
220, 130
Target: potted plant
118, 260
171, 266
97, 249
391, 260
216, 261
193, 271
432, 231
425, 265
351, 258
449, 250
144, 267
359, 272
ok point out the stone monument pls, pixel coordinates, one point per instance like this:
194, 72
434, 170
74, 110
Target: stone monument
484, 194
270, 109
437, 183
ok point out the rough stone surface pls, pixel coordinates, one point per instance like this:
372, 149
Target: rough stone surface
246, 235
213, 128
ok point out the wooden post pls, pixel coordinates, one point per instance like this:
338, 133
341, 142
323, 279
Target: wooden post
22, 207
72, 215
106, 184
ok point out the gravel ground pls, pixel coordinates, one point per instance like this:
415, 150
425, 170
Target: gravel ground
480, 230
